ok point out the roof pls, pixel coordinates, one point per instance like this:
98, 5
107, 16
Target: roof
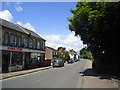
51, 48
18, 28
32, 33
10, 25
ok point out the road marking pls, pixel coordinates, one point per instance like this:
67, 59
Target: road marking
42, 79
20, 76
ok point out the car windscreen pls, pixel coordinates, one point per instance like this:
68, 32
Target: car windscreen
56, 61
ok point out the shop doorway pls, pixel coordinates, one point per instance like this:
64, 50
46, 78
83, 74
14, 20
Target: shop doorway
5, 63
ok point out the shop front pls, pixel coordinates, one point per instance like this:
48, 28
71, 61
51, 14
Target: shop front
12, 61
15, 59
36, 59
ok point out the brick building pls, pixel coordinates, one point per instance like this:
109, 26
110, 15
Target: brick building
51, 53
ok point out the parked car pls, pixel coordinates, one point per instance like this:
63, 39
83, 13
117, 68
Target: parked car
78, 59
58, 63
71, 61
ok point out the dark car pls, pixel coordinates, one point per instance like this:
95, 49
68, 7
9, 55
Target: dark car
71, 61
78, 59
58, 63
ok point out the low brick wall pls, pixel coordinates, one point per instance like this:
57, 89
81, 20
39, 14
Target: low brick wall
47, 62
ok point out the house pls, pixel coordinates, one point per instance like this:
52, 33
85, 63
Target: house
51, 53
73, 54
21, 48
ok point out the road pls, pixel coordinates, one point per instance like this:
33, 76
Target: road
64, 77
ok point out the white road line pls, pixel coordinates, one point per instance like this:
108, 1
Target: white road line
42, 79
20, 76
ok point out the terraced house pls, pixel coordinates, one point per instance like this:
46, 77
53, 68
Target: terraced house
21, 48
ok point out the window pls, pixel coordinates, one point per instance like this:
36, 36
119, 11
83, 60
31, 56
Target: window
30, 43
19, 41
17, 58
5, 38
25, 42
13, 39
41, 45
33, 58
38, 45
34, 44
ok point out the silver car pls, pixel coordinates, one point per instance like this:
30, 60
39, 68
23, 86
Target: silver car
58, 63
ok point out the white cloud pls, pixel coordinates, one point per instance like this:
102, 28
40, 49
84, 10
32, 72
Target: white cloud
27, 25
5, 14
69, 41
19, 8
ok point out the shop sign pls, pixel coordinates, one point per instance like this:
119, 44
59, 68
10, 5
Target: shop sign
11, 48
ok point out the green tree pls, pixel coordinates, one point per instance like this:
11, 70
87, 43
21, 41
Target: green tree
67, 57
84, 53
63, 48
97, 23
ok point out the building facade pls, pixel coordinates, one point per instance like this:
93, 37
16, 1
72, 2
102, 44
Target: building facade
51, 53
73, 55
21, 48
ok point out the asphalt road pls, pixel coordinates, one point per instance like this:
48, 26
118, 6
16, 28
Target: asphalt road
60, 77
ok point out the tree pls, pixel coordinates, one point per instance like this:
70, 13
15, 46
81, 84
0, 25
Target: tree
97, 23
84, 53
67, 57
62, 48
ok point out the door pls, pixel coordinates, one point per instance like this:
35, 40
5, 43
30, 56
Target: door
5, 63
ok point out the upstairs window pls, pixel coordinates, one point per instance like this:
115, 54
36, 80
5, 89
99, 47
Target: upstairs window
42, 45
5, 40
25, 42
35, 44
19, 41
13, 39
30, 43
38, 45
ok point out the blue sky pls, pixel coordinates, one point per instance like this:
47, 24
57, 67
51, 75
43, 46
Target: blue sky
49, 19
46, 17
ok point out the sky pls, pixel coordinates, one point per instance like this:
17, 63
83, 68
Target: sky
48, 19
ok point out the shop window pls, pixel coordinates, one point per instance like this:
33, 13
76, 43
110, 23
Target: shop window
13, 39
25, 42
17, 58
30, 43
41, 58
33, 58
5, 40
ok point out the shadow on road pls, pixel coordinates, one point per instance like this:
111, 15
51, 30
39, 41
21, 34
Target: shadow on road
91, 72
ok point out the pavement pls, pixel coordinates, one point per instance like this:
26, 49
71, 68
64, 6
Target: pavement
94, 80
18, 73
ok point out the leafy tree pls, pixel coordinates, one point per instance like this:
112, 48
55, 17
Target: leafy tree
63, 48
84, 53
97, 23
67, 57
